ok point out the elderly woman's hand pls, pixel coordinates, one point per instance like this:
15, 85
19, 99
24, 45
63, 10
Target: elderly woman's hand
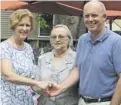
53, 90
41, 86
44, 85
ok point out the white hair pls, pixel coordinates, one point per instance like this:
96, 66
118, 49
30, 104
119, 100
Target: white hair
68, 31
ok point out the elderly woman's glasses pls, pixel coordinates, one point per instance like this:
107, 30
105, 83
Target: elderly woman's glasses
54, 37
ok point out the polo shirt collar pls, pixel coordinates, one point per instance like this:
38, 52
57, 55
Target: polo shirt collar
101, 38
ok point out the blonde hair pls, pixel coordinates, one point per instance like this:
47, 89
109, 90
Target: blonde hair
68, 31
16, 17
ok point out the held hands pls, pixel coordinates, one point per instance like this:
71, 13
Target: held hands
49, 89
43, 85
52, 90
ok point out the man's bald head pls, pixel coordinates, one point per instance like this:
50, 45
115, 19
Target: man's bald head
95, 3
94, 16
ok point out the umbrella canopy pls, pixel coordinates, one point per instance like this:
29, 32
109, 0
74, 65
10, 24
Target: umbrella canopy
109, 4
112, 5
53, 7
60, 7
113, 13
10, 5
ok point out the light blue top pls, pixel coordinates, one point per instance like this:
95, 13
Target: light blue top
99, 64
48, 71
22, 61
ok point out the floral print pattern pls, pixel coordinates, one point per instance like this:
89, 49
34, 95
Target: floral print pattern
22, 62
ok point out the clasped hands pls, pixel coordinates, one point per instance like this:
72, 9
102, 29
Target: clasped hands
49, 88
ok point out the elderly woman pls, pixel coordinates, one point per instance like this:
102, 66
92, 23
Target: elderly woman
17, 62
56, 66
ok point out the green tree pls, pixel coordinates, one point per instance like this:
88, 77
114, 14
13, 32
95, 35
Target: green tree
41, 21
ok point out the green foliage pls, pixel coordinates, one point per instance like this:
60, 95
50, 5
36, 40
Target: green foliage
41, 21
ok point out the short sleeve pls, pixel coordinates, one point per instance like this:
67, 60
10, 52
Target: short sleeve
39, 67
39, 61
5, 51
117, 56
77, 54
80, 46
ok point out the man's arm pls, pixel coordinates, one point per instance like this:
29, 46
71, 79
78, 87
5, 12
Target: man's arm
116, 100
72, 79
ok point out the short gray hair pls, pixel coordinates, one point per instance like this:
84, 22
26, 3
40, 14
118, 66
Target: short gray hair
68, 31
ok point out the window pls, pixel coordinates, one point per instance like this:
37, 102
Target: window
46, 30
114, 25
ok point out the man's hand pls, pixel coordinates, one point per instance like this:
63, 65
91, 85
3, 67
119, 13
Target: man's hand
53, 90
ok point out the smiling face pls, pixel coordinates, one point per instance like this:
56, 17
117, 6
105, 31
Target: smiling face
59, 38
94, 17
23, 28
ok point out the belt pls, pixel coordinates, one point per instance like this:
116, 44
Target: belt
94, 100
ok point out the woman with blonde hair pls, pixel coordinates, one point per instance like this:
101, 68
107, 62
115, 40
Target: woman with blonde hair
56, 65
17, 62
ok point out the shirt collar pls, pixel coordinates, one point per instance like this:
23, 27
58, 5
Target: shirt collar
68, 55
101, 38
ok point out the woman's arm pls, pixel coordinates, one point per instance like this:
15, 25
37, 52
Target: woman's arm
9, 75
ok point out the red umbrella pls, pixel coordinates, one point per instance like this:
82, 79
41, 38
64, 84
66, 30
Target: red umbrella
113, 13
10, 5
53, 7
112, 5
109, 4
59, 7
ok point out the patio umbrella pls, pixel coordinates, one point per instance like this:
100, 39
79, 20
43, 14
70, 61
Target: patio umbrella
10, 5
113, 7
42, 7
109, 4
112, 13
59, 7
